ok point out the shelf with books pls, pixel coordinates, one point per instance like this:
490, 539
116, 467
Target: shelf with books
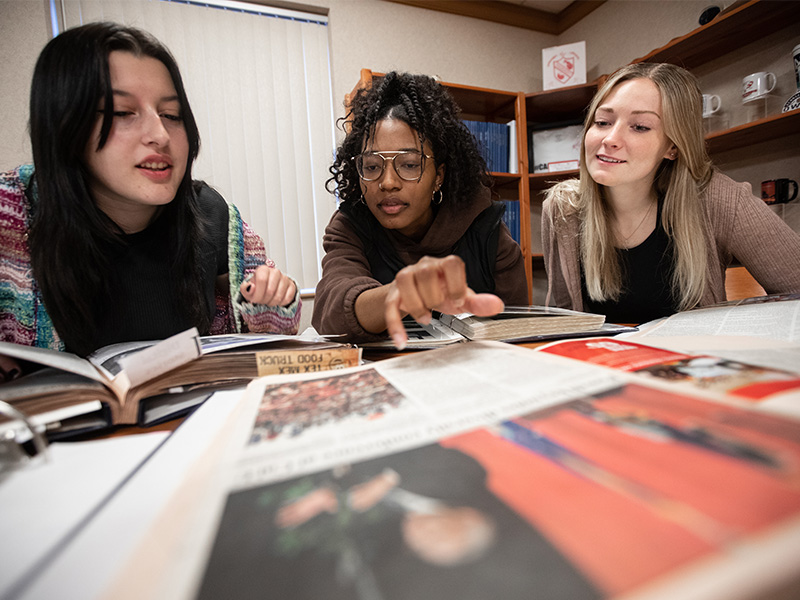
484, 105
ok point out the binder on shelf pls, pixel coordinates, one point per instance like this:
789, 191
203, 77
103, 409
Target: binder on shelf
511, 218
493, 143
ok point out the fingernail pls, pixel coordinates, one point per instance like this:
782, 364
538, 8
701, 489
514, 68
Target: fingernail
399, 341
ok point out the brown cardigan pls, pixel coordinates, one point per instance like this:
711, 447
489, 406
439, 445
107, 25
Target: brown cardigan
738, 225
346, 271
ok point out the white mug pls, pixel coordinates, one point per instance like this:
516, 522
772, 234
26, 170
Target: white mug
756, 85
711, 104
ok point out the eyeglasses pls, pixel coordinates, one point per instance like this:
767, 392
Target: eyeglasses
409, 165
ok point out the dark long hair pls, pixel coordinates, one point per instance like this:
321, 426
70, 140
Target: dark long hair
70, 237
428, 108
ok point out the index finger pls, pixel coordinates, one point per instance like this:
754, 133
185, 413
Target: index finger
454, 274
394, 319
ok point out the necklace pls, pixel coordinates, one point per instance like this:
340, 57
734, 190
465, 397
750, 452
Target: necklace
639, 226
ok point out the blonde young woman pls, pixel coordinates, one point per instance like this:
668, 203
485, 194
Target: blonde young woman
651, 226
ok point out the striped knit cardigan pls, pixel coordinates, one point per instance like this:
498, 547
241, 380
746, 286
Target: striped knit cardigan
24, 319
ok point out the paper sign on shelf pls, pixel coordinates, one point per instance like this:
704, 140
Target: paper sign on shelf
563, 66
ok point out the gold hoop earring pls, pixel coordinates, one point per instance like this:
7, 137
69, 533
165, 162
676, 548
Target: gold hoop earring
436, 201
362, 200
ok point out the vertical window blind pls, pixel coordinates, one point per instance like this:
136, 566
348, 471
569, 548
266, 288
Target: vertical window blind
259, 83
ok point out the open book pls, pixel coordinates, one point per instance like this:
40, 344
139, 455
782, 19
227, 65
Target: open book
145, 382
514, 324
517, 323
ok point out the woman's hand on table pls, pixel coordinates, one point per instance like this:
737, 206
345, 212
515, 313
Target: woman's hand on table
269, 286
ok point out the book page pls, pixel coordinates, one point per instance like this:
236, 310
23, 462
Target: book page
64, 361
99, 551
220, 343
132, 369
47, 500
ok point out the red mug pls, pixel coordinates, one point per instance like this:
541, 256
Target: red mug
776, 191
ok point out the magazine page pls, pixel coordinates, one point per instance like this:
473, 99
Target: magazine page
306, 424
721, 378
777, 320
479, 471
765, 333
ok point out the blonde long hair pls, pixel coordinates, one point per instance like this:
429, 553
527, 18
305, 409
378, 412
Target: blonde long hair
679, 182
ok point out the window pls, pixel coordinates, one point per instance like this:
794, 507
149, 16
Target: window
259, 83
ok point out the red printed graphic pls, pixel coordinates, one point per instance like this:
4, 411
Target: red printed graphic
563, 66
749, 88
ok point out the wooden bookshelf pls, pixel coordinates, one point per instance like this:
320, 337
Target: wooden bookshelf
739, 26
768, 128
565, 104
729, 31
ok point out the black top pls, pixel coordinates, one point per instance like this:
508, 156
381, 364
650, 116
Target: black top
646, 282
144, 303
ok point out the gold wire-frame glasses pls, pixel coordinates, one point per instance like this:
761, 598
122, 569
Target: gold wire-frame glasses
409, 167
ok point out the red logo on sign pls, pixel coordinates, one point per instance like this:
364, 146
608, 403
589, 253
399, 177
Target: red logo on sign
563, 66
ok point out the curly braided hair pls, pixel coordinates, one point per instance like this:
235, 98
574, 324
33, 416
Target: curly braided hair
428, 108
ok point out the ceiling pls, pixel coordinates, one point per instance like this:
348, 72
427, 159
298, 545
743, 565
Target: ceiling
546, 16
551, 6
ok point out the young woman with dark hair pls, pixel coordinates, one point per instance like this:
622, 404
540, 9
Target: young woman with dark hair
106, 237
416, 228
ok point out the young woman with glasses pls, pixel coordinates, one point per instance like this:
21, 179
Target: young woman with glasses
416, 228
106, 237
650, 226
